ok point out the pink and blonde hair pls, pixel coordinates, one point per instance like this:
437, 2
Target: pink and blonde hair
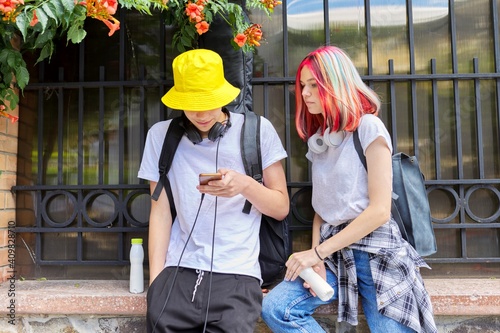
344, 96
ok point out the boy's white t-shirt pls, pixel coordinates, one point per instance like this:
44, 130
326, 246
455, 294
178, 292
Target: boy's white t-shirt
339, 179
236, 236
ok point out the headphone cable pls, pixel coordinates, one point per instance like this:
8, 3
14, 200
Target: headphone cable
213, 243
211, 268
179, 262
184, 248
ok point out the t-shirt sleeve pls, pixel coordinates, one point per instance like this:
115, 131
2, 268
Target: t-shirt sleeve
370, 128
271, 146
148, 169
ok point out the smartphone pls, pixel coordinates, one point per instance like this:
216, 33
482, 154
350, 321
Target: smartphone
206, 177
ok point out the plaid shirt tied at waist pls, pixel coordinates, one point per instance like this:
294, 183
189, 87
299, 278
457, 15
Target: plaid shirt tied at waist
395, 265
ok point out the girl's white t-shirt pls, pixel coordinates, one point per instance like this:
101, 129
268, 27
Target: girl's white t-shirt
339, 179
235, 235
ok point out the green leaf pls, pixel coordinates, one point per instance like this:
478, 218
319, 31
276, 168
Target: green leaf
49, 10
208, 16
42, 18
22, 23
44, 38
186, 41
3, 56
46, 52
58, 8
14, 58
76, 34
13, 99
189, 31
80, 11
143, 6
8, 78
22, 77
78, 15
69, 5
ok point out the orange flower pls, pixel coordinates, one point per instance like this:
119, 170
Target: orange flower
240, 39
254, 34
270, 4
34, 20
113, 26
12, 118
103, 8
7, 6
194, 12
111, 6
202, 27
8, 9
103, 11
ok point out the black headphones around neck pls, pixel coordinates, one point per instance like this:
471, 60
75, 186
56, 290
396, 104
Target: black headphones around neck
217, 131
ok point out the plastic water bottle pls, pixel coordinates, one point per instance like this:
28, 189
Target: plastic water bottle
136, 270
317, 283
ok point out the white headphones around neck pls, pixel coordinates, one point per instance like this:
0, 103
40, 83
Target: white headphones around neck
319, 143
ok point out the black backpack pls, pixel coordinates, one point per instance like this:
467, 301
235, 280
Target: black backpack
410, 206
274, 240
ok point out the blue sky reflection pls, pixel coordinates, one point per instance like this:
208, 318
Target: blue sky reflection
307, 14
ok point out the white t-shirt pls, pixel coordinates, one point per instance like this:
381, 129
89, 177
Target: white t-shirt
339, 179
236, 238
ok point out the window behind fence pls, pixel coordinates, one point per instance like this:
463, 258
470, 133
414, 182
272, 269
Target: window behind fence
85, 115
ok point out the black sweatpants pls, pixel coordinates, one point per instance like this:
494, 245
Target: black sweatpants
235, 302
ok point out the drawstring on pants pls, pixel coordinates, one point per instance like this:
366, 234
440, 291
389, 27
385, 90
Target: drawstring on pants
198, 282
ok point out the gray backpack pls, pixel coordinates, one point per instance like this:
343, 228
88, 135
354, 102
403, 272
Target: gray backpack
410, 205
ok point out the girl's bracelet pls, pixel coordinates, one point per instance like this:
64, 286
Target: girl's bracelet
316, 250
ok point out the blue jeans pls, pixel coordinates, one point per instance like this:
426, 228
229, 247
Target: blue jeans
288, 307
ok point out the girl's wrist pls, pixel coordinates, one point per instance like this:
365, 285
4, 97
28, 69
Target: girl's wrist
318, 254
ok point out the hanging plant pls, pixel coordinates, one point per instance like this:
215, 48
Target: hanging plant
193, 18
33, 25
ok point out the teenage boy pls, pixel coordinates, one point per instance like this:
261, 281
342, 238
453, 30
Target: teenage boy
204, 269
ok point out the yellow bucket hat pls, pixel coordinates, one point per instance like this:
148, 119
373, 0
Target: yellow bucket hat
199, 83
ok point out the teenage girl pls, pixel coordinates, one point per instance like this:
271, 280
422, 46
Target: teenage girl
356, 245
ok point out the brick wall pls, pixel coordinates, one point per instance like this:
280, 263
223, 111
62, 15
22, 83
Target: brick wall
8, 169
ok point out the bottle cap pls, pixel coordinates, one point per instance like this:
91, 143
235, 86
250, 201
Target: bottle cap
136, 240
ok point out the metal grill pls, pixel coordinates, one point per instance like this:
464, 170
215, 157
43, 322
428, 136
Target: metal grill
119, 220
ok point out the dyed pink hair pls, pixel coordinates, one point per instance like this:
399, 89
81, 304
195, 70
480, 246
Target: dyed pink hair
343, 95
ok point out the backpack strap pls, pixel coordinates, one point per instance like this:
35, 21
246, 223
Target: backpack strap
250, 150
172, 138
394, 209
359, 149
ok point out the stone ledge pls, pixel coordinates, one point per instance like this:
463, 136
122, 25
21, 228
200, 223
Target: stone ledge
450, 297
79, 297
